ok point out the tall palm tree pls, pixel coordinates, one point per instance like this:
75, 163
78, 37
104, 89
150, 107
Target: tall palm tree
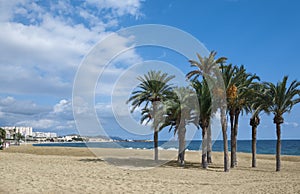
181, 111
231, 78
153, 89
238, 94
208, 68
228, 72
205, 110
282, 98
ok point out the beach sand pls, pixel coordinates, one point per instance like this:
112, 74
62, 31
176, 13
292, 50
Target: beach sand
29, 169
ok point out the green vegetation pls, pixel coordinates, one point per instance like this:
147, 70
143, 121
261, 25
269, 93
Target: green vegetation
154, 90
205, 110
281, 99
229, 89
179, 112
2, 137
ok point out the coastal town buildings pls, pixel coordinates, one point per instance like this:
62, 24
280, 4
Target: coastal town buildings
26, 132
44, 134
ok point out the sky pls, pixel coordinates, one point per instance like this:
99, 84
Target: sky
44, 43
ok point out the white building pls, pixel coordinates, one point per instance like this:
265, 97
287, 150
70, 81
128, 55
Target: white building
70, 137
25, 131
44, 134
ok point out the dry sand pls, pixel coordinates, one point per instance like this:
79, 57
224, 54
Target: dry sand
28, 169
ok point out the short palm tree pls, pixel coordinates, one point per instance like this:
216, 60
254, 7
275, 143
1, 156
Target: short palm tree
282, 98
256, 104
181, 111
153, 89
205, 110
18, 137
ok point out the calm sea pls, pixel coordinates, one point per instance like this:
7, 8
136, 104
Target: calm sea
288, 147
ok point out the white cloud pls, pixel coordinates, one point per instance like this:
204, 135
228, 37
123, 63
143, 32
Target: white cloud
292, 124
6, 9
26, 113
62, 106
9, 105
117, 7
50, 43
38, 124
42, 45
7, 101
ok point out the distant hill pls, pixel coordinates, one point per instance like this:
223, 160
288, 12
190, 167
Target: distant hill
106, 138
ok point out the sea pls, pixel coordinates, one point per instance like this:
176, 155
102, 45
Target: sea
288, 147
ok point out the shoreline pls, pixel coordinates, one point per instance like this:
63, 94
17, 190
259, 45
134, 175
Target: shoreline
86, 151
129, 146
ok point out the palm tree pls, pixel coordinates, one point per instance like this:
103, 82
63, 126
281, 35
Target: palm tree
205, 109
153, 89
209, 145
238, 94
15, 135
231, 78
208, 67
2, 137
228, 73
18, 137
254, 122
282, 98
256, 104
181, 111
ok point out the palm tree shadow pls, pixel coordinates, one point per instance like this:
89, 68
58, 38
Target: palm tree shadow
194, 165
216, 168
95, 160
135, 162
150, 163
243, 168
174, 163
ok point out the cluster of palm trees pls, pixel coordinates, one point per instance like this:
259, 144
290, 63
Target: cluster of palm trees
214, 86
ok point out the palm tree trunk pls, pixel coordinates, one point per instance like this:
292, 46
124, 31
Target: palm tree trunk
225, 140
254, 146
204, 147
234, 141
155, 145
278, 146
155, 126
209, 145
181, 150
232, 138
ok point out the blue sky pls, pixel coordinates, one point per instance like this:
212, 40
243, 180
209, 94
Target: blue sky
42, 44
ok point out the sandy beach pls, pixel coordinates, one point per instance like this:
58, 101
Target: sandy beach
28, 169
